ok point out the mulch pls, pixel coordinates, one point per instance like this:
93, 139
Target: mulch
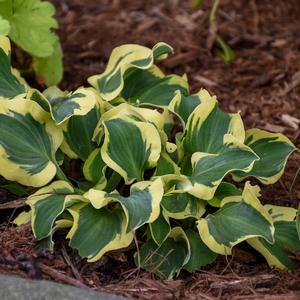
263, 82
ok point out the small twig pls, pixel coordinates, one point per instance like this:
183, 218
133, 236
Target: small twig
213, 11
284, 187
294, 179
255, 16
56, 275
11, 216
229, 265
70, 264
14, 204
52, 193
137, 249
129, 273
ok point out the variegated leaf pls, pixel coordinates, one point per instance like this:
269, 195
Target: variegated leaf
111, 82
167, 259
62, 105
97, 231
161, 50
209, 169
273, 150
185, 105
286, 239
239, 218
28, 142
224, 190
23, 218
180, 205
48, 242
47, 204
207, 125
141, 207
130, 148
137, 80
78, 134
165, 165
160, 228
201, 255
94, 169
162, 92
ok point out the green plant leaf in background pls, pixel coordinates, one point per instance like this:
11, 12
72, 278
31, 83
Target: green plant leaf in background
226, 52
50, 68
31, 23
298, 221
196, 4
4, 26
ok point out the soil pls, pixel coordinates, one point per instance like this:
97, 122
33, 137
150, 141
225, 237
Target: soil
263, 82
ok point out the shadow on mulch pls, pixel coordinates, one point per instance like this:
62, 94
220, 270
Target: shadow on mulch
263, 82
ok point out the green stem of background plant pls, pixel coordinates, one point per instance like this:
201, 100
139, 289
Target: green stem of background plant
213, 11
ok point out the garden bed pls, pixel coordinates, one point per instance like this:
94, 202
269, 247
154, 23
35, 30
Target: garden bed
263, 82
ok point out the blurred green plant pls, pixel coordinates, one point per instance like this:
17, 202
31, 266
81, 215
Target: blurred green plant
196, 4
226, 52
29, 25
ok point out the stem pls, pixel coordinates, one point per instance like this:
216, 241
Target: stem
61, 175
113, 182
78, 191
213, 11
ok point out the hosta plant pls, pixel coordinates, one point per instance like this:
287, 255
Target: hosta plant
29, 24
157, 166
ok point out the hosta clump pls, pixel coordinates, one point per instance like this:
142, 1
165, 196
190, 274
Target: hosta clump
157, 164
